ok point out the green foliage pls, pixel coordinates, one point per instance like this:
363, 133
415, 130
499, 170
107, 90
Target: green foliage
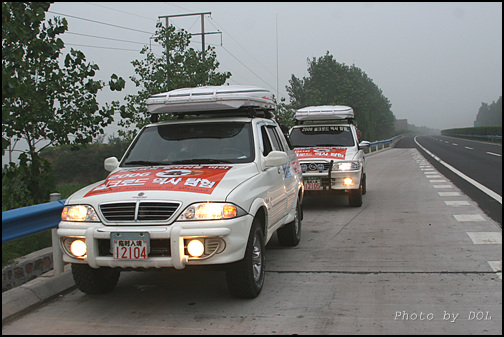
284, 113
20, 247
15, 191
333, 83
82, 164
486, 133
26, 184
42, 100
490, 114
178, 67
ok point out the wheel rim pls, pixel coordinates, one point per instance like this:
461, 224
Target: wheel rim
257, 259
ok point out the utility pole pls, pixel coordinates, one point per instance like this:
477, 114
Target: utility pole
202, 27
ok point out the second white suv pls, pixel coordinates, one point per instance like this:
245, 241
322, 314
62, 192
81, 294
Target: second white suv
206, 190
331, 157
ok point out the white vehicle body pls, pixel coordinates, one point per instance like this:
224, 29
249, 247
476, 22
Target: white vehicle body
161, 197
329, 152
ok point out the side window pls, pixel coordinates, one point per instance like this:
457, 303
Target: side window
266, 142
275, 140
271, 140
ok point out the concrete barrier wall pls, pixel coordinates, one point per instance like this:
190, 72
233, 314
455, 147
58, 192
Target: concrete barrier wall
27, 268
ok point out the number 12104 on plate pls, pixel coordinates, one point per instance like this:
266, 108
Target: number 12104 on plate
130, 246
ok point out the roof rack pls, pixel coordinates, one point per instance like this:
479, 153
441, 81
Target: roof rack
225, 99
324, 113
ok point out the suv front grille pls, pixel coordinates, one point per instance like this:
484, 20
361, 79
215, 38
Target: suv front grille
139, 211
314, 166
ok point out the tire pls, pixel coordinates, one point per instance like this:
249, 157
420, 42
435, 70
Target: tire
95, 281
364, 186
245, 278
290, 234
355, 197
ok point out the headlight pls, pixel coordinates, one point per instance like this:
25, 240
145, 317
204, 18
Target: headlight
346, 166
211, 211
79, 213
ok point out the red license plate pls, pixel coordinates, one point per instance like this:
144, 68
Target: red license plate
130, 246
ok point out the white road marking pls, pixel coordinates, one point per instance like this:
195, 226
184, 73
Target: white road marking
457, 203
497, 267
468, 217
463, 176
449, 194
494, 154
482, 238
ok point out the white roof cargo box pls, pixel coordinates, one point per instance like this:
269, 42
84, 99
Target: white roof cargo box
210, 98
324, 112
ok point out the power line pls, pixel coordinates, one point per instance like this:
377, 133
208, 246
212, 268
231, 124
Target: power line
120, 11
247, 68
136, 30
243, 48
102, 23
83, 45
105, 38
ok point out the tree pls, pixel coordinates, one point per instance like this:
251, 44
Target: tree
333, 83
41, 99
490, 114
178, 67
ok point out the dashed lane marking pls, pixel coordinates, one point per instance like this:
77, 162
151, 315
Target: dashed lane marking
468, 217
486, 238
457, 203
449, 194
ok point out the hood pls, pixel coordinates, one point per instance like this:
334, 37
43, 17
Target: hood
184, 183
326, 153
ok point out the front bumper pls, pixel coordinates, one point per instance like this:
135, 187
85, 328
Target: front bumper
169, 243
315, 181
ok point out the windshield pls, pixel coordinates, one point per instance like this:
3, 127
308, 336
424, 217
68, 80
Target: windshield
192, 143
310, 136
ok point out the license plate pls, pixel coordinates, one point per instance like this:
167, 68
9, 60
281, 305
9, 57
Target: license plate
313, 184
130, 246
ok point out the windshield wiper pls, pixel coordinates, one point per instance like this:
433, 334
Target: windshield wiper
144, 163
200, 161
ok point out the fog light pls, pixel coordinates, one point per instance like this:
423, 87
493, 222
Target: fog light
78, 248
348, 181
195, 248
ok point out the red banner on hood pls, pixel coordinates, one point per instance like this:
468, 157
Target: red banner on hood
186, 178
321, 152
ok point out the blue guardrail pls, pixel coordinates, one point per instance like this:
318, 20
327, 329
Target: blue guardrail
20, 222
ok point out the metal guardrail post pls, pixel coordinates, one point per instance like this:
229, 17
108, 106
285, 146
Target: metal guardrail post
58, 264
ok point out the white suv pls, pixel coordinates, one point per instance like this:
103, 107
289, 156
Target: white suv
331, 157
211, 189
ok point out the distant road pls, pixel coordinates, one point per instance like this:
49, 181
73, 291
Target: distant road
480, 161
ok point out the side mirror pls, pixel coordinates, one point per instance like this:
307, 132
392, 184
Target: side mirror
276, 158
111, 164
364, 144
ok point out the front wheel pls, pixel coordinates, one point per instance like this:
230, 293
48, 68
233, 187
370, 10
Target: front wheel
245, 278
355, 197
95, 281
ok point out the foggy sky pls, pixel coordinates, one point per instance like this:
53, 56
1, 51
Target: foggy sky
435, 62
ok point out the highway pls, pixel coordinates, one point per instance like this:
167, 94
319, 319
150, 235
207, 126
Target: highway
419, 257
473, 166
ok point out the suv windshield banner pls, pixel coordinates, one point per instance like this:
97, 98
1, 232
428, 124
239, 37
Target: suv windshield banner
321, 152
187, 178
